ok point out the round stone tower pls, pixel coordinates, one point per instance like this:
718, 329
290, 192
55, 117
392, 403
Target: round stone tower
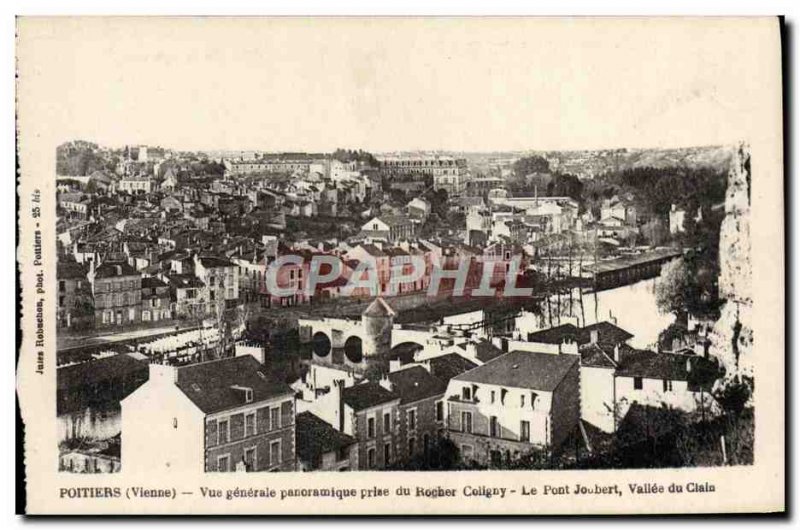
377, 320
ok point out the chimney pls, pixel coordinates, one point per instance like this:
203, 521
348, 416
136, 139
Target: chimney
394, 365
472, 350
386, 383
162, 373
616, 353
689, 365
593, 336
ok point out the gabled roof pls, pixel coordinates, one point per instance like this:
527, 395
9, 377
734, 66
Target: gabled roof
366, 395
214, 261
607, 333
210, 385
651, 365
378, 308
522, 369
115, 269
446, 367
415, 383
315, 437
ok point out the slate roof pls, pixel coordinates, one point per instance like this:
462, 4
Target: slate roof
151, 282
366, 395
555, 335
315, 437
607, 333
595, 356
208, 385
446, 367
185, 281
415, 383
213, 261
71, 271
485, 350
114, 270
652, 365
521, 369
103, 369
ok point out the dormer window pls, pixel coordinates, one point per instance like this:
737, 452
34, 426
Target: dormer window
466, 393
248, 395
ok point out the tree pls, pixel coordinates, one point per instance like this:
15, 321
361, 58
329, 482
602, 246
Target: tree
530, 164
672, 288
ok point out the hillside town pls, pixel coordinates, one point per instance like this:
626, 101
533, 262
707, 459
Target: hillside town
346, 311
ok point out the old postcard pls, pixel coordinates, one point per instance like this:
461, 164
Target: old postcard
401, 265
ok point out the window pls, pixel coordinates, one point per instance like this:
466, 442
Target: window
250, 424
387, 453
667, 385
412, 419
637, 383
275, 418
222, 431
492, 398
466, 422
533, 400
439, 411
223, 463
466, 393
248, 395
522, 400
525, 431
411, 445
494, 430
387, 422
370, 427
250, 458
274, 452
371, 458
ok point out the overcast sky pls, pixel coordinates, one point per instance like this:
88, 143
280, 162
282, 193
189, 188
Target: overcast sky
394, 84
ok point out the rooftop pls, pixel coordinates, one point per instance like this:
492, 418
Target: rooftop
366, 395
521, 369
210, 385
315, 437
415, 383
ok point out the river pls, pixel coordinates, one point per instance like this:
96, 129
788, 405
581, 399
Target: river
633, 306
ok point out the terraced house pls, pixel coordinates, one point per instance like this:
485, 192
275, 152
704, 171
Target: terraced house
117, 291
218, 416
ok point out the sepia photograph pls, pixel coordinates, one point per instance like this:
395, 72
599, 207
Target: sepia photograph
397, 245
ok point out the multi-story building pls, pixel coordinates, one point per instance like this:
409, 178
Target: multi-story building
391, 228
434, 166
218, 416
320, 447
370, 415
421, 409
221, 279
117, 291
155, 300
517, 403
186, 296
75, 303
136, 184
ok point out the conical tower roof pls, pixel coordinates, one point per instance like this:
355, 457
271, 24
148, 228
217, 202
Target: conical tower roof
379, 308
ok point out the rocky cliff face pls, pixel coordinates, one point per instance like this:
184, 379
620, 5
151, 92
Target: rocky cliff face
732, 337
